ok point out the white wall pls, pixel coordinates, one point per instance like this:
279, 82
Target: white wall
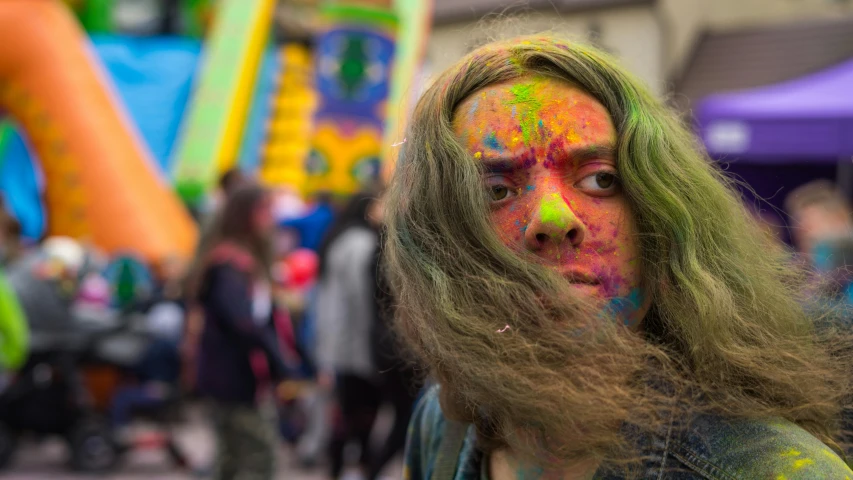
738, 13
631, 33
682, 22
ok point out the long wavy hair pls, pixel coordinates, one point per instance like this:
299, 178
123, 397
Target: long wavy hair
541, 372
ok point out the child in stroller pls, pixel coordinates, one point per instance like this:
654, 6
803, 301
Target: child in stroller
155, 391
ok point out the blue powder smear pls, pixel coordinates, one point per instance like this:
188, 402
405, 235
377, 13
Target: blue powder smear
492, 142
625, 307
474, 105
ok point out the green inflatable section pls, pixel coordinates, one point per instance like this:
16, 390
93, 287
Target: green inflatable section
97, 16
14, 335
5, 135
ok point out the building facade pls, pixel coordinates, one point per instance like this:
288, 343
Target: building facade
655, 39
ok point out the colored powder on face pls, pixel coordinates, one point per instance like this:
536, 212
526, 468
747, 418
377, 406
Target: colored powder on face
573, 137
530, 188
478, 155
492, 141
525, 94
626, 307
528, 473
554, 211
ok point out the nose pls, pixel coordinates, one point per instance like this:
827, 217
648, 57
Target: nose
552, 223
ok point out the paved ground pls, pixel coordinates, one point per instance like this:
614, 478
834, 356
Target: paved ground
47, 461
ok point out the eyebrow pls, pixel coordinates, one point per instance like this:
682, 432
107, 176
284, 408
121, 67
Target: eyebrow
580, 155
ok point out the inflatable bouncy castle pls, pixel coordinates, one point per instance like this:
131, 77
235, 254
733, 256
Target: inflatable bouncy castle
112, 131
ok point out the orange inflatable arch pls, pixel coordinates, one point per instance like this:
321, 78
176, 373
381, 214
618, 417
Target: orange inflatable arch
101, 182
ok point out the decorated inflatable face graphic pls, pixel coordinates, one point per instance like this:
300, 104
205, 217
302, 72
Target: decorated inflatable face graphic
343, 160
548, 152
354, 57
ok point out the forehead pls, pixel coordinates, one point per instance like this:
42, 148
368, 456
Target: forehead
543, 99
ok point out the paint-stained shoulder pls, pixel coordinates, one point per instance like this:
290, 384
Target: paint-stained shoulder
772, 448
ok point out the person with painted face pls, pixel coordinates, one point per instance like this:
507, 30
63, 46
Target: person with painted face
589, 293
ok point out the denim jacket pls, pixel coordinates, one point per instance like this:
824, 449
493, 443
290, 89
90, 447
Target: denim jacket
711, 448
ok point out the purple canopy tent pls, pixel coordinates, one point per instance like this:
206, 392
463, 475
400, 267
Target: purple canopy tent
779, 137
807, 119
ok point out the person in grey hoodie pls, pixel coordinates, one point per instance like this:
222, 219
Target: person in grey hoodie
345, 320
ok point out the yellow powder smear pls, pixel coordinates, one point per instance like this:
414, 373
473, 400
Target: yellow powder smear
573, 137
792, 453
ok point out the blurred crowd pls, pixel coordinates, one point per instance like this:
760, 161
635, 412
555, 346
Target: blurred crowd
279, 328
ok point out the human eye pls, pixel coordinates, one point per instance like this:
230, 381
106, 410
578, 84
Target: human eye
599, 184
499, 189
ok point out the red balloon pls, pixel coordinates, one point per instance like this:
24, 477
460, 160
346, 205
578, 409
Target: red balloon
302, 267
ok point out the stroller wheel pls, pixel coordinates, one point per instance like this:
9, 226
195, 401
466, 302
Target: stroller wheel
8, 445
92, 447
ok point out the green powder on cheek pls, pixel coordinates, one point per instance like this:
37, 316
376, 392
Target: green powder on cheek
525, 94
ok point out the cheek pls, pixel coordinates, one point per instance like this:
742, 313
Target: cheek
511, 223
612, 249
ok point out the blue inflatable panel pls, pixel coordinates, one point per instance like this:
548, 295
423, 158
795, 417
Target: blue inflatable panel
19, 182
154, 78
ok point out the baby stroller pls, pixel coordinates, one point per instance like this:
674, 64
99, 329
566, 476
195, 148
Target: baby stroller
51, 394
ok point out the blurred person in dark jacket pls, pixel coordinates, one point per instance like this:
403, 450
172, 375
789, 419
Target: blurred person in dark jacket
232, 285
229, 182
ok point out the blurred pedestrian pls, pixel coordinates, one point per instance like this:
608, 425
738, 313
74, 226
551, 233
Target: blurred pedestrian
345, 318
230, 181
397, 379
165, 309
232, 284
158, 371
313, 225
14, 332
819, 214
13, 244
822, 230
